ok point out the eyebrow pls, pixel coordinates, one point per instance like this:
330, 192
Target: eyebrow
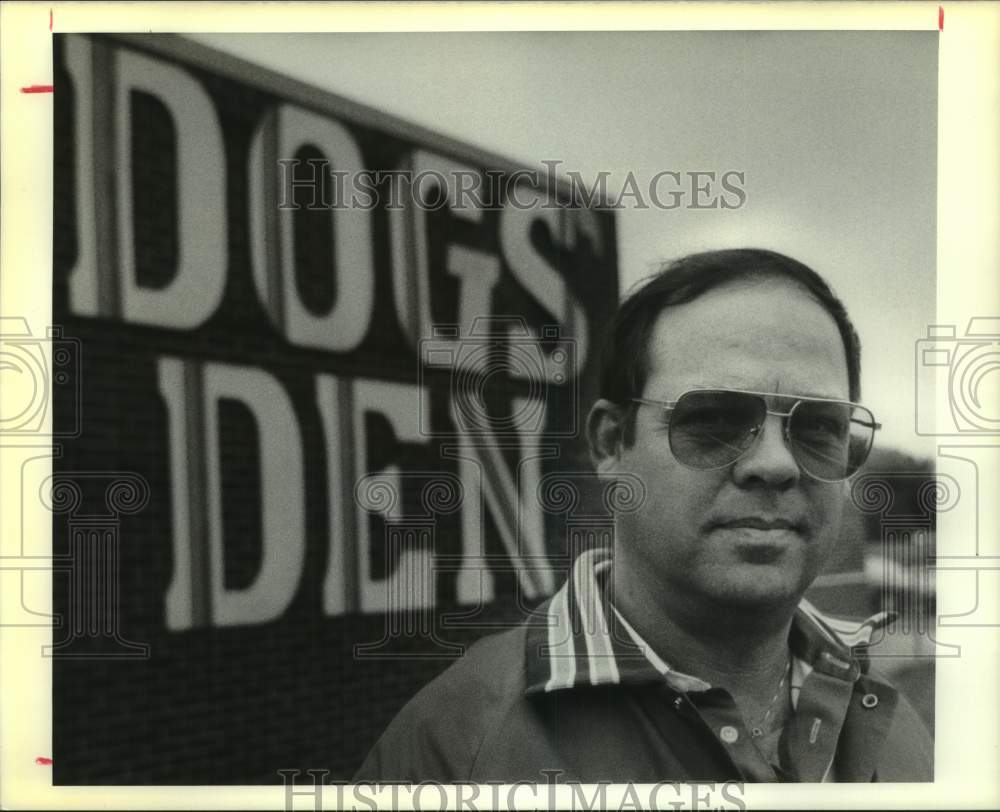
740, 387
821, 395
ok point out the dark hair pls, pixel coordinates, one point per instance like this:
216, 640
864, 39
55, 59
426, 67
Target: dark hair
625, 360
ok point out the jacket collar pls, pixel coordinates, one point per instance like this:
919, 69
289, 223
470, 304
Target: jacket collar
578, 638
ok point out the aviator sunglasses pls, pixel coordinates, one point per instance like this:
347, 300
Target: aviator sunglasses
713, 428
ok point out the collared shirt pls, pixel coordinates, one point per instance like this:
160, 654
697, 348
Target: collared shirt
571, 695
589, 642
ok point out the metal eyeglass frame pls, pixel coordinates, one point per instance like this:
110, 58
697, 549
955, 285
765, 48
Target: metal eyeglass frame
669, 405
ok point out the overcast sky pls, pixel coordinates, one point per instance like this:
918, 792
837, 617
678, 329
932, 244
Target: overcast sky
835, 132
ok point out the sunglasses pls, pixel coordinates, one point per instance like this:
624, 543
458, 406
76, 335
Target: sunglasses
713, 428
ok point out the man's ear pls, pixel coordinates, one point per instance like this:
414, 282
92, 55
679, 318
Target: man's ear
605, 425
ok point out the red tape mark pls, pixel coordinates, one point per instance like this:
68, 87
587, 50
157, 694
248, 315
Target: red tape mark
50, 19
37, 89
45, 762
940, 18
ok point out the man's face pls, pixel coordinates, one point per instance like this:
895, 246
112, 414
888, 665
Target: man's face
695, 533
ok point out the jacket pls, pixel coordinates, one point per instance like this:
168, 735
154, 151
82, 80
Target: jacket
532, 704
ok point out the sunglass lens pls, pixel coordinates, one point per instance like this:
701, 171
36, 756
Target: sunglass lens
831, 441
712, 429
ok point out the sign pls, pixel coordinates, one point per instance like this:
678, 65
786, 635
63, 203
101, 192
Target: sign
344, 355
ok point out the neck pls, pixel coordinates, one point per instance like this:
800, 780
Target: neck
743, 649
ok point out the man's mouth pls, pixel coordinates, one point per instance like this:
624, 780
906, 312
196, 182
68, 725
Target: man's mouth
761, 539
760, 523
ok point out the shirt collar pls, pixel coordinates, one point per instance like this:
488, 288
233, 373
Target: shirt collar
577, 638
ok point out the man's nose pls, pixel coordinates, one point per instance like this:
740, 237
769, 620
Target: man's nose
769, 459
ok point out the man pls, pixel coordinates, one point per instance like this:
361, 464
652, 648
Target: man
729, 393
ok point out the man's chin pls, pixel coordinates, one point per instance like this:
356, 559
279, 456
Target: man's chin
761, 586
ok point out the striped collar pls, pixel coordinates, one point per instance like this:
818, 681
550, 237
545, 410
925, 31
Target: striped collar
578, 638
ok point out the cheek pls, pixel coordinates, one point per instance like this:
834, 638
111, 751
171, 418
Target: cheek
828, 510
666, 482
677, 502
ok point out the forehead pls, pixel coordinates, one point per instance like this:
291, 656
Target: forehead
767, 335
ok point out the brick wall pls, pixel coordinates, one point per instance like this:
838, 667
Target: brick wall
234, 705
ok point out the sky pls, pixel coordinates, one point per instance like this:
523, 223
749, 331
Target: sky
835, 132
